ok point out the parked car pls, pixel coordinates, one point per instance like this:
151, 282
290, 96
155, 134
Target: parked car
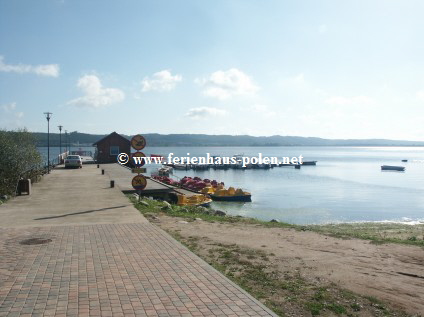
73, 161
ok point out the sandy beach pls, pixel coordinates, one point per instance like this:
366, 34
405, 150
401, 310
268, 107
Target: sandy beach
392, 273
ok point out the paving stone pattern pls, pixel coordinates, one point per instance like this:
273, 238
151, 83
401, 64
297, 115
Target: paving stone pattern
112, 270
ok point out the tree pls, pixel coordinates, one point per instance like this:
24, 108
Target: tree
19, 158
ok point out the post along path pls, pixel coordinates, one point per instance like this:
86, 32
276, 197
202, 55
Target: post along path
100, 257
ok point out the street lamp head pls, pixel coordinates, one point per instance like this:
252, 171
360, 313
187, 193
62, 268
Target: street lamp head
48, 115
60, 128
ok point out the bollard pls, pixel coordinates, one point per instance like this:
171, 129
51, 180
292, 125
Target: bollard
112, 183
103, 172
98, 165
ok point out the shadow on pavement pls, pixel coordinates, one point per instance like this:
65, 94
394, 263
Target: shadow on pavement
79, 213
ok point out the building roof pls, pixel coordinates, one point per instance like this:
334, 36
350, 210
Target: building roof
110, 135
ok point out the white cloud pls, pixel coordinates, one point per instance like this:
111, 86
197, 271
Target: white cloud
420, 95
226, 84
11, 116
51, 70
344, 101
160, 81
203, 112
95, 95
9, 107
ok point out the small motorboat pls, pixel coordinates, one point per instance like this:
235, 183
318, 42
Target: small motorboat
309, 163
86, 156
392, 168
239, 161
404, 160
165, 171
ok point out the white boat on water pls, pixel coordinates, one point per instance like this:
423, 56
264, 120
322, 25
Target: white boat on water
392, 168
165, 171
239, 160
86, 156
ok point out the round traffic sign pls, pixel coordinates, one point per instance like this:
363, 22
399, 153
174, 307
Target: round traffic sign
138, 142
137, 159
139, 182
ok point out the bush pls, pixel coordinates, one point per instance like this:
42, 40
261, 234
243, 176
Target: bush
19, 158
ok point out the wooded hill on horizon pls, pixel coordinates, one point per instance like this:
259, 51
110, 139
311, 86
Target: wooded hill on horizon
156, 139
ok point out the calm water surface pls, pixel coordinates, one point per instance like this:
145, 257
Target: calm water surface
347, 184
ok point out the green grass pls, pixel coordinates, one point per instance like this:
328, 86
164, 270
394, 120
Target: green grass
315, 308
283, 292
190, 213
255, 271
376, 233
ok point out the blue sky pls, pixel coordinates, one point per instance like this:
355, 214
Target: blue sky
333, 69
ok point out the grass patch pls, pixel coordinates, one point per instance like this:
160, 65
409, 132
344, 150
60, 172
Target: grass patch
376, 233
147, 206
255, 270
315, 308
286, 293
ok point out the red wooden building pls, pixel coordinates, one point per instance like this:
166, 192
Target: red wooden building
110, 146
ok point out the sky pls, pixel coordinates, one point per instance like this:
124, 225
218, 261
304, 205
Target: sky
323, 68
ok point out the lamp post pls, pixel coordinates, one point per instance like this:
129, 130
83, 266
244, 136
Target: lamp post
60, 138
66, 141
48, 116
60, 142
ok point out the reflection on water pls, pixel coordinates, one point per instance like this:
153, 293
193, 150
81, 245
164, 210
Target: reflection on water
346, 185
55, 151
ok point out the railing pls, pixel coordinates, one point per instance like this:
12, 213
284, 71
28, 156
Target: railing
38, 170
60, 159
31, 173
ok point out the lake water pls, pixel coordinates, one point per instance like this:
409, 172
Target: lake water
347, 185
55, 151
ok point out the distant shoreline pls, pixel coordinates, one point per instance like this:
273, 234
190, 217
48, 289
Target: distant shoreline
204, 140
195, 145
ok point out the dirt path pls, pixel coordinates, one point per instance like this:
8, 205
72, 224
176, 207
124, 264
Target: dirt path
390, 272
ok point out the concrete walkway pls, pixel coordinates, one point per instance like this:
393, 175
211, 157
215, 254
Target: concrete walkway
100, 257
70, 196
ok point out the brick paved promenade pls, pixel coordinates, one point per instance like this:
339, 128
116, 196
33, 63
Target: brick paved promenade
127, 268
